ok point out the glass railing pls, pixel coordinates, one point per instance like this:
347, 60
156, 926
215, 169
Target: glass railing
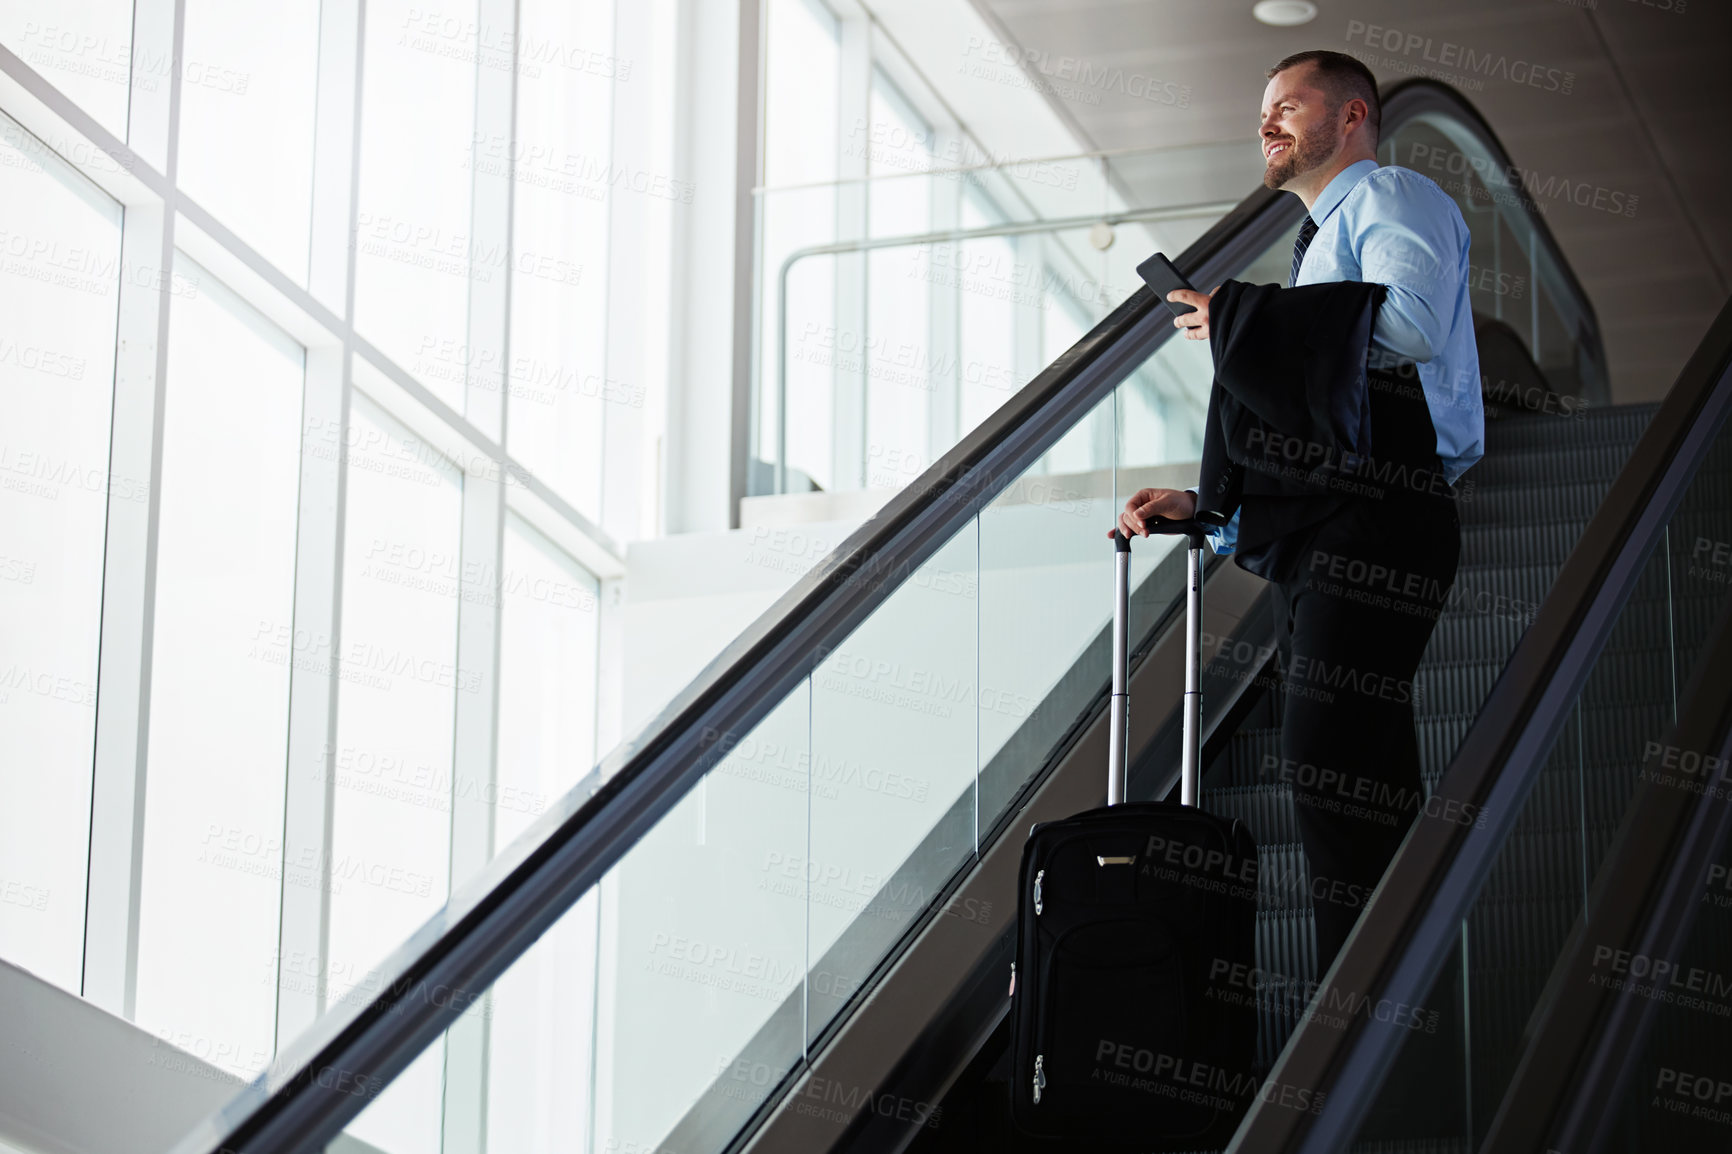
1627, 1041
1537, 890
649, 965
1456, 959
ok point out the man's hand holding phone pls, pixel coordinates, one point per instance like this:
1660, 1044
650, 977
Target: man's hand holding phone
1190, 308
1194, 324
1171, 504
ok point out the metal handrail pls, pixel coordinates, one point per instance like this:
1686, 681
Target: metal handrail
322, 1080
1411, 922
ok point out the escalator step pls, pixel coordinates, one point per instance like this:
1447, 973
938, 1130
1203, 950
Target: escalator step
1248, 752
1532, 504
1520, 544
1550, 465
1478, 636
1448, 688
1612, 424
1283, 877
1439, 737
1286, 977
1266, 810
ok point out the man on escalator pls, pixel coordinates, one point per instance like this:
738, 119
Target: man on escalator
1344, 463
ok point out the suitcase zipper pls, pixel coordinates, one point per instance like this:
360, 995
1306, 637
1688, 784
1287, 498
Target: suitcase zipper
1037, 880
1039, 1076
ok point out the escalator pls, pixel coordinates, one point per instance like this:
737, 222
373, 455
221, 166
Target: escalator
778, 919
1538, 471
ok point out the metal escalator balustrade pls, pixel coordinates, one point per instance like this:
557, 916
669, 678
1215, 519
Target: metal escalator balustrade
692, 890
1502, 579
1470, 921
1498, 590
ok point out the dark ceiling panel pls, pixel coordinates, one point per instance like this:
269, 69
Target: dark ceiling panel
1646, 86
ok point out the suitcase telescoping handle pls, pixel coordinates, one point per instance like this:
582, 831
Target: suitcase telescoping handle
1118, 732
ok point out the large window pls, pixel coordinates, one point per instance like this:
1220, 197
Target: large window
246, 138
412, 232
903, 375
801, 154
557, 376
293, 610
543, 1016
220, 678
84, 48
391, 764
59, 281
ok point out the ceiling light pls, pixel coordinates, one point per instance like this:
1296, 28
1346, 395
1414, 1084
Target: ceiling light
1284, 13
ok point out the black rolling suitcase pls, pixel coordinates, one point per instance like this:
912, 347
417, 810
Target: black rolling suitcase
1133, 1007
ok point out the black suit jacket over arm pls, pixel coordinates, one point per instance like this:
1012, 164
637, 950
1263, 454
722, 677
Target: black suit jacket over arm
1297, 410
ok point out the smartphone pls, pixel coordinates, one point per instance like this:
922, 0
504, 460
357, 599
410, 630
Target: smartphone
1159, 274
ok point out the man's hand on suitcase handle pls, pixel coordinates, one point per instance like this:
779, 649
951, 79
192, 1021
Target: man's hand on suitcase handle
1146, 504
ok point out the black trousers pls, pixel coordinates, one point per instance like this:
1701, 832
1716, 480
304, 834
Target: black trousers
1355, 608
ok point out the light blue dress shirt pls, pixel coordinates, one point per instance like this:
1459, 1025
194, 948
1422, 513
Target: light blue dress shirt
1393, 227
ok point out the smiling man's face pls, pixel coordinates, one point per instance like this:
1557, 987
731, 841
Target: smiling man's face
1299, 131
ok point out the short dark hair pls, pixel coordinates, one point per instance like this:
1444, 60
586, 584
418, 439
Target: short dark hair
1342, 78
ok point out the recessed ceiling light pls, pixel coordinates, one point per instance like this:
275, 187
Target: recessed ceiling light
1284, 13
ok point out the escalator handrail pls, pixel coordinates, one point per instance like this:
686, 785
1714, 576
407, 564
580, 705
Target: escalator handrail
371, 1035
1412, 920
1585, 1042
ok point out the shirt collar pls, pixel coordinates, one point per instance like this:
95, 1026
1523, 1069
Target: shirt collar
1336, 190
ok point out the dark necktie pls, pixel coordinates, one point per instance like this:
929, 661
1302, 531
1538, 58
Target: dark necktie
1307, 230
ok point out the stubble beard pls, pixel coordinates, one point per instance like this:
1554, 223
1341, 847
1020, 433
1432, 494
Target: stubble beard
1310, 150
